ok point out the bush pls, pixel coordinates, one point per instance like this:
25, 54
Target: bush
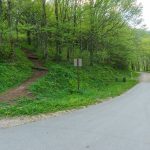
5, 53
14, 73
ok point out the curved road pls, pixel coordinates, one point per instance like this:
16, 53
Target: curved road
119, 124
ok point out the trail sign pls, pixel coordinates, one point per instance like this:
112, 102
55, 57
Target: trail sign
78, 62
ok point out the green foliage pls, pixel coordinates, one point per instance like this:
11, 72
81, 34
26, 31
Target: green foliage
14, 73
58, 80
98, 31
140, 56
5, 53
62, 80
58, 90
64, 29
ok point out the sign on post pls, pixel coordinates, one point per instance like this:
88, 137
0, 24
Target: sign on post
78, 63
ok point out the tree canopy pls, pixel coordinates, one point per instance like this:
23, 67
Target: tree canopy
99, 31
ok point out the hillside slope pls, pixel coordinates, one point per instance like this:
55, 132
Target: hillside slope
14, 72
58, 89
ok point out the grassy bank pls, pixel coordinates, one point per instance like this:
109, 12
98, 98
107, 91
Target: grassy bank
58, 90
14, 72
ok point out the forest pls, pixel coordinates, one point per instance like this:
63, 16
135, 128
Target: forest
109, 35
101, 31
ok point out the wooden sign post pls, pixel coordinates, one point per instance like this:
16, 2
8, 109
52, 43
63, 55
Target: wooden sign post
78, 64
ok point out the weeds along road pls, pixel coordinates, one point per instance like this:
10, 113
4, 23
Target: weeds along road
119, 124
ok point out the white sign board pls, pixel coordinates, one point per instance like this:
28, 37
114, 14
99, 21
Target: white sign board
75, 62
78, 62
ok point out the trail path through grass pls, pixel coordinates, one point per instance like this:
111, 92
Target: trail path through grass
22, 90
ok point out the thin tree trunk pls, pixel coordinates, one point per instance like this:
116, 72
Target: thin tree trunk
9, 19
1, 13
17, 31
29, 37
44, 33
74, 23
57, 32
91, 32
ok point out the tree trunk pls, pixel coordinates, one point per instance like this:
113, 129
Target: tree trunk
9, 19
44, 33
92, 31
29, 37
74, 22
17, 31
1, 13
57, 32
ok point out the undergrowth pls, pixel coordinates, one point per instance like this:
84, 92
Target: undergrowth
58, 89
13, 73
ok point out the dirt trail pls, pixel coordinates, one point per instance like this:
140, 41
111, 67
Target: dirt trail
22, 90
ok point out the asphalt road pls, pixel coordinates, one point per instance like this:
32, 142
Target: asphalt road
119, 124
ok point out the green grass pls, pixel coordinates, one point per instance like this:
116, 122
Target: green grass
58, 90
14, 73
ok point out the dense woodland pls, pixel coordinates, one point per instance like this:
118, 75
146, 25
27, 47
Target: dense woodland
108, 34
99, 31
